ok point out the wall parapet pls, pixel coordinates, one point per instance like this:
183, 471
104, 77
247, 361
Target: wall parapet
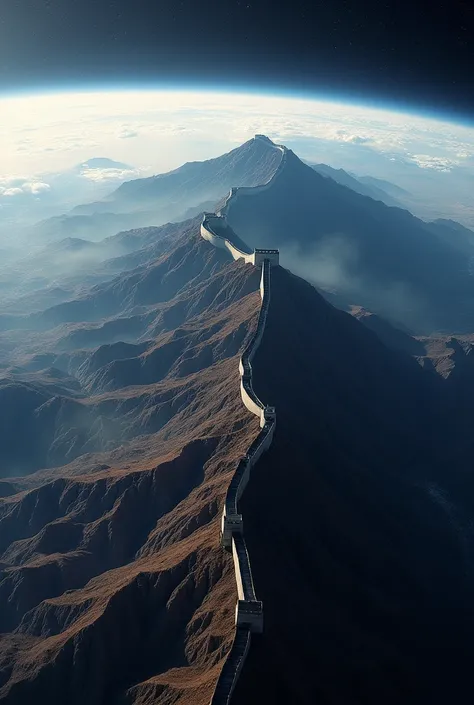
208, 232
249, 610
233, 665
238, 191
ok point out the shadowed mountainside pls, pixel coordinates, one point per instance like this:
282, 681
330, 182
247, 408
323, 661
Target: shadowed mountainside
357, 520
394, 337
378, 257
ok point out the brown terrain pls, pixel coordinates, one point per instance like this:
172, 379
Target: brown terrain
121, 425
114, 587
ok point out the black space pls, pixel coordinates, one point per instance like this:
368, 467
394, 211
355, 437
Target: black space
419, 53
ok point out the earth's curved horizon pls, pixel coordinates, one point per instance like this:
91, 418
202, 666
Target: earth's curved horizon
154, 131
312, 117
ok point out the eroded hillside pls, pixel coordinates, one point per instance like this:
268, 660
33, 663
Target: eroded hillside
113, 586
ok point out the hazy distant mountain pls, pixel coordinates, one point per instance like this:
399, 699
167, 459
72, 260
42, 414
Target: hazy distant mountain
386, 186
102, 163
95, 227
456, 235
51, 193
356, 184
193, 183
59, 271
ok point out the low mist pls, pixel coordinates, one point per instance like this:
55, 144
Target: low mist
334, 266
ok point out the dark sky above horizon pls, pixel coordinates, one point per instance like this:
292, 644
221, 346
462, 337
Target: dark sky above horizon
420, 53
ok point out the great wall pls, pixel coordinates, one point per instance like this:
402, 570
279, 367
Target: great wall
249, 610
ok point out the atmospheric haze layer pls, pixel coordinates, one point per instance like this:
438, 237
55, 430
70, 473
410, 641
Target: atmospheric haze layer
44, 136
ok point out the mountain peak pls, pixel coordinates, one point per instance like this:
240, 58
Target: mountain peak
102, 163
250, 164
264, 138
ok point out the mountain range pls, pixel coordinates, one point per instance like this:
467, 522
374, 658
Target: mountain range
376, 189
362, 250
154, 200
345, 234
123, 431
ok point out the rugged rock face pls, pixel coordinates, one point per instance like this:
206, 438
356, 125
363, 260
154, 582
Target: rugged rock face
113, 587
184, 285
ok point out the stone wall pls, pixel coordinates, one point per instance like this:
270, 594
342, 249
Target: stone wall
233, 666
249, 610
208, 233
238, 192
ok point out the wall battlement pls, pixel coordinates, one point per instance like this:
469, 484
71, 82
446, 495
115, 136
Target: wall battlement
211, 228
248, 610
238, 191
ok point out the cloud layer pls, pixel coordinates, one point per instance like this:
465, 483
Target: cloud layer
152, 128
109, 175
17, 186
158, 131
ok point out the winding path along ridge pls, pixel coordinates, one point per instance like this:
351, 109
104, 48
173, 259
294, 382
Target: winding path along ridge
249, 610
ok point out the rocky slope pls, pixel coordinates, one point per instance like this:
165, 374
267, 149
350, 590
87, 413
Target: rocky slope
113, 587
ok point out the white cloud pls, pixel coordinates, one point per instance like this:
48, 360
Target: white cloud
353, 139
427, 161
11, 186
357, 139
127, 134
109, 174
12, 192
35, 187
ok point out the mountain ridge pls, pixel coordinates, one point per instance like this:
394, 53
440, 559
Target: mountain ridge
171, 196
385, 258
114, 585
245, 165
74, 566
